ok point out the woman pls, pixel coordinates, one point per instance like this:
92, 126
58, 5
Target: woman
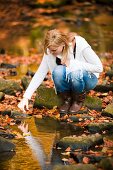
74, 67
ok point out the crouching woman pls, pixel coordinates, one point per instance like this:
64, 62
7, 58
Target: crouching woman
74, 67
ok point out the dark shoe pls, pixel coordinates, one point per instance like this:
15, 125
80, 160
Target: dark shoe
66, 99
77, 102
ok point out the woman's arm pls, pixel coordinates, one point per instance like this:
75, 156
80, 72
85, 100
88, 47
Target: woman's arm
33, 144
34, 84
37, 78
92, 64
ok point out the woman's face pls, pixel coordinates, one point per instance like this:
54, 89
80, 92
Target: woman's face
56, 50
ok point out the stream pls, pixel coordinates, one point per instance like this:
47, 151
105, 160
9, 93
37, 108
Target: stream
98, 30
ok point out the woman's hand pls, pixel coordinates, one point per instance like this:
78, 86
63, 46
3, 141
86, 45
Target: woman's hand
24, 128
23, 105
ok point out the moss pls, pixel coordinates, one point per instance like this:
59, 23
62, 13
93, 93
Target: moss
1, 96
80, 142
93, 102
99, 127
108, 111
46, 97
75, 167
25, 82
109, 108
9, 87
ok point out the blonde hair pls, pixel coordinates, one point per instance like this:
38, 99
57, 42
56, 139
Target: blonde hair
56, 38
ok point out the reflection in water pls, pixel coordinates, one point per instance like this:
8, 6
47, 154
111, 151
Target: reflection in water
36, 152
5, 156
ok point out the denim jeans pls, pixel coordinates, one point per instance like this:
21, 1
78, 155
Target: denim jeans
77, 81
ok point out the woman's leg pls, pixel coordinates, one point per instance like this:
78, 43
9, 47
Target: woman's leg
62, 87
80, 82
59, 78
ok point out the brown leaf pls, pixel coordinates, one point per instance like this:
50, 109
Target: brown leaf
86, 160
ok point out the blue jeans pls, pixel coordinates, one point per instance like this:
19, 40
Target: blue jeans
77, 81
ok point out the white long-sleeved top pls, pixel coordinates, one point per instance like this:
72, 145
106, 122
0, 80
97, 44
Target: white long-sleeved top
85, 59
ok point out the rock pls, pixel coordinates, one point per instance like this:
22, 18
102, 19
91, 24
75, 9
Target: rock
46, 97
5, 145
110, 74
75, 167
12, 72
104, 2
2, 51
25, 82
14, 114
80, 142
93, 103
107, 163
6, 112
5, 156
7, 135
1, 96
108, 111
99, 127
108, 142
80, 118
6, 65
18, 115
48, 124
78, 157
30, 73
104, 88
9, 87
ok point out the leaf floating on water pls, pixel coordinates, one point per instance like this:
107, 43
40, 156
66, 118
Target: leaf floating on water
86, 160
65, 160
66, 153
68, 149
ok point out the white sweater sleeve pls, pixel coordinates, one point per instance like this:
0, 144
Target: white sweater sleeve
92, 64
37, 78
37, 150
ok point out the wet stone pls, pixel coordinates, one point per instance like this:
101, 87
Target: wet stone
25, 82
104, 88
108, 111
1, 96
9, 87
80, 118
6, 65
110, 74
46, 97
14, 114
6, 145
30, 73
7, 135
5, 156
6, 112
80, 142
99, 127
75, 167
78, 157
93, 103
107, 163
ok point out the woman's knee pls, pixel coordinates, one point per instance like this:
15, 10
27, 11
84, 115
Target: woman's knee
77, 75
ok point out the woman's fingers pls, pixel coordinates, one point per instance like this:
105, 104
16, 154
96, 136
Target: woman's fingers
23, 127
23, 105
